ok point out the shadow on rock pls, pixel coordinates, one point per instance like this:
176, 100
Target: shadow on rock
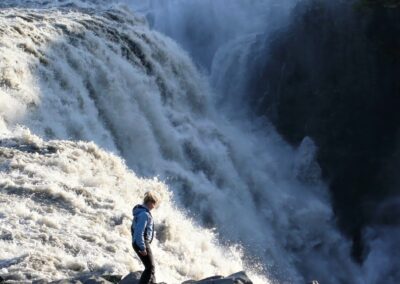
133, 278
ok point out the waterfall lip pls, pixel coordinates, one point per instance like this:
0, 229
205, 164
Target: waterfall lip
45, 4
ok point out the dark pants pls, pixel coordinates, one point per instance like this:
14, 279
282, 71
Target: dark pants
148, 275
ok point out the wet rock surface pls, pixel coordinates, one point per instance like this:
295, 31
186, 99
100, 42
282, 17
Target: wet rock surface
133, 278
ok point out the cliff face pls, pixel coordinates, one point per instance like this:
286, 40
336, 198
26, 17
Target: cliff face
333, 74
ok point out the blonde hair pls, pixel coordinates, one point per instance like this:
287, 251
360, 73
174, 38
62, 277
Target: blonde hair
152, 197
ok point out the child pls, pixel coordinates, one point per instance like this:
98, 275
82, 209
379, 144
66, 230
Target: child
142, 235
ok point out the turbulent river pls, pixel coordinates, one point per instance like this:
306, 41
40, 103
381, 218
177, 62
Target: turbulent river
95, 109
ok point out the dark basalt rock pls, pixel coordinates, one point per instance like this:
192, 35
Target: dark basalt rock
112, 278
96, 280
133, 278
237, 278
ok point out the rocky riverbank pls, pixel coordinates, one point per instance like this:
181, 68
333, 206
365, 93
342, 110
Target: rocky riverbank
133, 278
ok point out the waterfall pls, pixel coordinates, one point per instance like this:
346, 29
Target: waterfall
236, 196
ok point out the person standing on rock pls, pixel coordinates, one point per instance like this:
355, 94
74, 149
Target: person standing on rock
142, 235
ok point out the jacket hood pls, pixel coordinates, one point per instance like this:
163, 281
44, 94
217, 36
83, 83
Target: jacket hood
139, 209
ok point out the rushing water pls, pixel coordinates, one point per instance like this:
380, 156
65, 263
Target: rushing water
236, 196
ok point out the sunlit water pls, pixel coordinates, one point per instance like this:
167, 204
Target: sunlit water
236, 196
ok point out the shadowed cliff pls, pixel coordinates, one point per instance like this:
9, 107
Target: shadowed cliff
332, 74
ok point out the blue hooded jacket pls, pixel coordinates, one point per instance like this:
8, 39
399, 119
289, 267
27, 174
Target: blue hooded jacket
142, 226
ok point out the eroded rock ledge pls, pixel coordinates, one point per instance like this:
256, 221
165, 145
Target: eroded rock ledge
133, 278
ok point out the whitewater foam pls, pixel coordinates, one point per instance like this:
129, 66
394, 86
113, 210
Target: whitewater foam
68, 211
104, 76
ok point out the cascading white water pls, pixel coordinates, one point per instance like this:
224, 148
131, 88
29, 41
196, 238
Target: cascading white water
66, 211
104, 76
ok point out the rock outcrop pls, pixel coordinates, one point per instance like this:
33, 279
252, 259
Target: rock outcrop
133, 278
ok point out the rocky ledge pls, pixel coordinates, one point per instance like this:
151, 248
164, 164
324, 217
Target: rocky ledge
133, 278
